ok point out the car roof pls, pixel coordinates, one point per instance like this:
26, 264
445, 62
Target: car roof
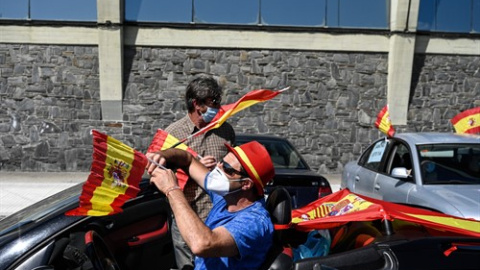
437, 138
259, 137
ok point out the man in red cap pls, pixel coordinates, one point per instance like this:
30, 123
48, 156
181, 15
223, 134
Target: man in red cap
238, 231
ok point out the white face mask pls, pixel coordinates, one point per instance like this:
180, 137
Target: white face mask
219, 183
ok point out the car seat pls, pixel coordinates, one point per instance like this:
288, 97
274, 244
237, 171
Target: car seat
279, 205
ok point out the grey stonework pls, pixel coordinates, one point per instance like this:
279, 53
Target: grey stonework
50, 99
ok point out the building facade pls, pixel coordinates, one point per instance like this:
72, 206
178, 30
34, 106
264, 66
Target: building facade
60, 80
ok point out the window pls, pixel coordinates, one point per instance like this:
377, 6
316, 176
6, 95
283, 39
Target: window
226, 11
401, 158
293, 13
361, 14
13, 9
68, 10
311, 13
177, 11
372, 158
449, 16
450, 163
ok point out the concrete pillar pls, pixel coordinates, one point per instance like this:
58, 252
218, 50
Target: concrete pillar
110, 58
403, 24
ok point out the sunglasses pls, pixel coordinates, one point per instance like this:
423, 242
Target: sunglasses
228, 169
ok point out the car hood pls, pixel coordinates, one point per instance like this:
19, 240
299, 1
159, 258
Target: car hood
465, 198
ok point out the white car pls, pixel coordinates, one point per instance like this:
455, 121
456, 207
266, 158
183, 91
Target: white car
436, 171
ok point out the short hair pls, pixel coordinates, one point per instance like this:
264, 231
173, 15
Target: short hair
201, 88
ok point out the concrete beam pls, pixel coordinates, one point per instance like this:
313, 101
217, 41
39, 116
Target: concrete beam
456, 46
110, 58
216, 38
404, 15
48, 35
400, 68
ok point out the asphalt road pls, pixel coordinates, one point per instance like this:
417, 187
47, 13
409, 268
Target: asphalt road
21, 189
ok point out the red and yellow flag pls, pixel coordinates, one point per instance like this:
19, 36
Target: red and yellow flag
467, 121
114, 177
163, 140
249, 99
383, 122
343, 206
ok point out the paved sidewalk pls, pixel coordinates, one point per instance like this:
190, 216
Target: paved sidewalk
21, 189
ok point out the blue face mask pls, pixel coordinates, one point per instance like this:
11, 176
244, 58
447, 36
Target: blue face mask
209, 114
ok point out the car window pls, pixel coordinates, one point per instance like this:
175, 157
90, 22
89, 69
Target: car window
401, 158
450, 163
372, 158
282, 153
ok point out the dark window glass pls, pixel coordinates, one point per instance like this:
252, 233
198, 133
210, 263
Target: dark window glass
454, 16
363, 14
293, 13
454, 164
13, 9
449, 16
176, 11
226, 11
70, 10
333, 19
476, 16
426, 15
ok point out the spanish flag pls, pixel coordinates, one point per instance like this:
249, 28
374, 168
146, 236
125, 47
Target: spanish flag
467, 121
344, 206
163, 140
249, 99
383, 122
114, 178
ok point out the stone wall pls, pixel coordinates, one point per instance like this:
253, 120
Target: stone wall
50, 99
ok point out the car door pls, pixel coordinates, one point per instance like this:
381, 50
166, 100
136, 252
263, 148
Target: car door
389, 188
371, 163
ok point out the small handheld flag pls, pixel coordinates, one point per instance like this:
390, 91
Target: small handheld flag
163, 140
114, 178
383, 122
467, 121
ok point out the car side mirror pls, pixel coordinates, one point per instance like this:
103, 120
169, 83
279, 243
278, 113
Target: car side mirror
400, 172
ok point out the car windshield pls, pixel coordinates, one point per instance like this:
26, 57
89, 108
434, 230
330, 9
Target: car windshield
450, 163
282, 153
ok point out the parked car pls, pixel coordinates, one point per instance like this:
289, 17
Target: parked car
291, 170
42, 237
439, 171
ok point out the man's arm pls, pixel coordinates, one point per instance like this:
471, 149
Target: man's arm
201, 240
179, 159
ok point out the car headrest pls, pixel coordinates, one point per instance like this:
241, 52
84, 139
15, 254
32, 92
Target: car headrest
279, 205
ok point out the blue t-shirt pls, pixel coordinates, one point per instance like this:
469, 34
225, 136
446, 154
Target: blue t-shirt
251, 228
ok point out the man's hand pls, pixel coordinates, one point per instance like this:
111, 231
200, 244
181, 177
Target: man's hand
209, 161
156, 157
163, 179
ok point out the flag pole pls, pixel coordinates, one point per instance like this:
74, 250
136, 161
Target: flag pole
157, 164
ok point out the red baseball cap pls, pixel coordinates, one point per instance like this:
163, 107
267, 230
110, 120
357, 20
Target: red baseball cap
256, 161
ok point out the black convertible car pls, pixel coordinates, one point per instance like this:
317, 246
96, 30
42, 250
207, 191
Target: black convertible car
43, 237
